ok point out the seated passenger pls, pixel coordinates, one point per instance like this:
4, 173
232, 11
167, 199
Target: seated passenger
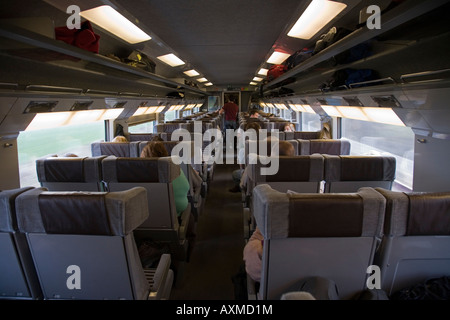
285, 148
289, 127
254, 248
180, 189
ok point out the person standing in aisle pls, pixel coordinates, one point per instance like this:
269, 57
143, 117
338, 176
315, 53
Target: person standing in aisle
231, 109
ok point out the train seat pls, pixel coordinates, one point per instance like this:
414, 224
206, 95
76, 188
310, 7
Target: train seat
303, 174
196, 196
333, 236
18, 277
156, 176
305, 135
254, 147
416, 240
70, 173
83, 246
145, 136
349, 173
324, 146
118, 149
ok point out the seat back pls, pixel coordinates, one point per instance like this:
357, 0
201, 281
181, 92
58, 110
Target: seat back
118, 149
254, 146
297, 173
146, 136
349, 173
82, 242
70, 173
156, 176
416, 242
18, 277
304, 135
324, 146
333, 236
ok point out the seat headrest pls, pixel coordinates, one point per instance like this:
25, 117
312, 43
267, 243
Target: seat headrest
94, 213
359, 168
57, 169
162, 169
416, 213
324, 146
283, 215
295, 168
8, 221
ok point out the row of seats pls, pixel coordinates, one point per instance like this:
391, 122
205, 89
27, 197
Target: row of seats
318, 174
76, 245
301, 146
342, 236
134, 148
111, 173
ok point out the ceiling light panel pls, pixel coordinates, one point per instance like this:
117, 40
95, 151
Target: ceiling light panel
112, 21
278, 57
191, 73
171, 59
318, 14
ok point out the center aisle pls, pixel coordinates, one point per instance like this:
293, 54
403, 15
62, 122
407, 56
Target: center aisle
217, 255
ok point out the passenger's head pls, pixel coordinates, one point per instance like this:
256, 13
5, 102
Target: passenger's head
157, 138
254, 113
286, 148
288, 127
119, 139
154, 149
69, 155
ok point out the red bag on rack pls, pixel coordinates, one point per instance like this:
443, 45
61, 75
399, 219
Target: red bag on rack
83, 38
275, 71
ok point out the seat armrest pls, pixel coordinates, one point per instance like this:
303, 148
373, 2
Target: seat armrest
158, 277
184, 223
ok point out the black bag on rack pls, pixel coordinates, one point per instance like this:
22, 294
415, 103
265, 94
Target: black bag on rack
298, 57
358, 52
343, 78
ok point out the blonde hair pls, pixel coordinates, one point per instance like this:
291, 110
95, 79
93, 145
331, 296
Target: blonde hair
119, 139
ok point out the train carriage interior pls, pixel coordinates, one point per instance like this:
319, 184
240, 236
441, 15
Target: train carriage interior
363, 84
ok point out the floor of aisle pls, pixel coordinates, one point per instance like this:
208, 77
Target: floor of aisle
217, 255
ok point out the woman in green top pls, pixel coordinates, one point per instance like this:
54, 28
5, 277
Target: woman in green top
180, 184
180, 190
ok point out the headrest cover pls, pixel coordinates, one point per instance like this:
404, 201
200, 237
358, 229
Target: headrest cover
75, 213
283, 215
429, 214
325, 215
150, 170
64, 170
137, 170
8, 220
367, 168
325, 146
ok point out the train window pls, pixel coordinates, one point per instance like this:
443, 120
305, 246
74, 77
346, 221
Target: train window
310, 122
170, 115
35, 144
370, 138
146, 127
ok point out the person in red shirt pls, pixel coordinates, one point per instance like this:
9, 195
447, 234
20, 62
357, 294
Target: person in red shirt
231, 110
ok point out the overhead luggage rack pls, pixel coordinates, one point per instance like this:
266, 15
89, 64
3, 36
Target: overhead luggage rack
304, 73
79, 60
